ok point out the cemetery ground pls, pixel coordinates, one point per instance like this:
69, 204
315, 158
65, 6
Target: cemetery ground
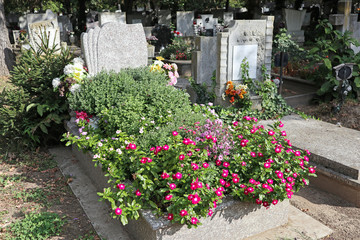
32, 182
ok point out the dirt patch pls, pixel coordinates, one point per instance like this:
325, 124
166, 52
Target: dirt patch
32, 183
339, 215
348, 116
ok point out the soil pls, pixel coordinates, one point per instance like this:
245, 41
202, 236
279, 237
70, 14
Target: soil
32, 182
349, 115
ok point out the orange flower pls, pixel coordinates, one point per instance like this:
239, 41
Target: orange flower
232, 99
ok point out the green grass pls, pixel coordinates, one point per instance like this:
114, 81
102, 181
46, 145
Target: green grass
6, 180
37, 226
37, 195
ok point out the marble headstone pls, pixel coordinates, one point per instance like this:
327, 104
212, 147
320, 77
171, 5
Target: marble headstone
185, 22
38, 29
112, 17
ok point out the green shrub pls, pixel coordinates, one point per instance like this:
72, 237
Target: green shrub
136, 101
35, 111
179, 49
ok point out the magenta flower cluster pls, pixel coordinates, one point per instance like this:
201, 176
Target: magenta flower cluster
185, 179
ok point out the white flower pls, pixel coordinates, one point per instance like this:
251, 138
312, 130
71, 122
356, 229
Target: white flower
56, 82
78, 67
141, 130
69, 69
157, 62
75, 88
78, 60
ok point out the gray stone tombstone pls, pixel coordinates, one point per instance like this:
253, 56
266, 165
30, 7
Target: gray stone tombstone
39, 29
164, 17
185, 22
244, 38
208, 21
294, 20
228, 17
148, 31
204, 59
39, 17
114, 46
112, 17
65, 27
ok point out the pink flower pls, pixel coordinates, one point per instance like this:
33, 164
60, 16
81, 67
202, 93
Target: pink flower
178, 175
182, 157
274, 202
242, 186
265, 204
297, 153
183, 213
258, 201
265, 185
138, 193
290, 179
226, 164
222, 181
194, 220
118, 211
143, 160
270, 181
172, 186
243, 163
260, 154
214, 139
280, 175
205, 165
295, 175
225, 174
168, 197
166, 147
250, 189
283, 133
235, 124
170, 216
311, 170
149, 160
175, 133
219, 193
121, 186
189, 154
267, 165
227, 184
236, 180
218, 162
252, 154
281, 124
164, 175
277, 150
271, 133
210, 213
194, 166
208, 136
196, 199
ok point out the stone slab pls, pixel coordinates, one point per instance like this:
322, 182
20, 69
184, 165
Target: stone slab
39, 29
333, 147
93, 45
184, 23
105, 17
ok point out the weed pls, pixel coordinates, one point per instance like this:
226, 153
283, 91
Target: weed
37, 195
37, 226
6, 180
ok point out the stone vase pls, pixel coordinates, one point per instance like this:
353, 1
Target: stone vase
184, 67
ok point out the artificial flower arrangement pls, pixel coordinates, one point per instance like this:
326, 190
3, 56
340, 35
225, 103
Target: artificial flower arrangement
74, 73
169, 69
185, 179
236, 93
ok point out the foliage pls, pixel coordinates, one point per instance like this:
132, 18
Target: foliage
37, 226
331, 49
185, 178
137, 101
179, 49
35, 112
203, 95
21, 6
284, 43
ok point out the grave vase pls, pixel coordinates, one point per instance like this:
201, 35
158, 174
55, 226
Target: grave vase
151, 51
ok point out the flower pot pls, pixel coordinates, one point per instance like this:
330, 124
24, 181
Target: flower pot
151, 51
232, 219
184, 67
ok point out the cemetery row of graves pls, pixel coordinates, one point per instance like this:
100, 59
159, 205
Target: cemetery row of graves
179, 119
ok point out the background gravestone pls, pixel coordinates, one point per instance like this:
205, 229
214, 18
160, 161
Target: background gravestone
39, 17
184, 23
244, 38
164, 17
204, 59
39, 29
112, 17
65, 27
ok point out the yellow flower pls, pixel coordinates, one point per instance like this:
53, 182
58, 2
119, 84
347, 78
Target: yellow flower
160, 58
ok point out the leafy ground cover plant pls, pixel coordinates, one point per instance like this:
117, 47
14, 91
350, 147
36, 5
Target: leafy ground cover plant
179, 49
